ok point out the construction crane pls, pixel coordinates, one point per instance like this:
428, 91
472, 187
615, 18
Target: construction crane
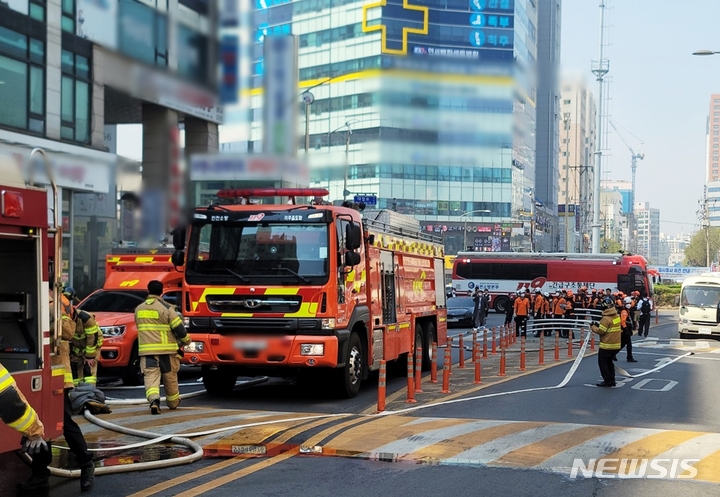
632, 225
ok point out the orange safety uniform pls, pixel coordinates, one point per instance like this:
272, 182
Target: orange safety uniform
540, 304
522, 306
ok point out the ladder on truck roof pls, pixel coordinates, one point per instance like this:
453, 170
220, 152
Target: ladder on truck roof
540, 256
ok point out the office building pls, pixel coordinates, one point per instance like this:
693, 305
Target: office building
713, 139
648, 231
548, 112
70, 71
430, 108
578, 117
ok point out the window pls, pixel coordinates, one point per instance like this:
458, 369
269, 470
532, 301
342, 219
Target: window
143, 33
68, 16
566, 102
192, 59
75, 97
22, 98
37, 10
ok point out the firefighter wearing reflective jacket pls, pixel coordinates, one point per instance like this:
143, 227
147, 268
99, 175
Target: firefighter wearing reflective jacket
160, 331
86, 341
17, 413
610, 333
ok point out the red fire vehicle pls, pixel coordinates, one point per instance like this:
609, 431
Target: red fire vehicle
26, 253
286, 289
502, 273
127, 274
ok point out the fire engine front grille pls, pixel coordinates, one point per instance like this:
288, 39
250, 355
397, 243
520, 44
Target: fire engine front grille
269, 326
254, 303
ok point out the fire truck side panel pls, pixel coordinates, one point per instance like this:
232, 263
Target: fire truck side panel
25, 310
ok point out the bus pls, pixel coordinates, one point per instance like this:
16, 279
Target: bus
505, 272
698, 313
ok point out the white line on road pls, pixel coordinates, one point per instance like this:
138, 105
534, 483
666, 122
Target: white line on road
491, 451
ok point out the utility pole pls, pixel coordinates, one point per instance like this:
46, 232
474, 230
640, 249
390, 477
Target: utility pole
704, 217
566, 121
599, 70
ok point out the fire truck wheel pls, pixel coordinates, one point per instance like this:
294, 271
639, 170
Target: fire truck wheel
428, 339
220, 381
133, 374
500, 304
350, 377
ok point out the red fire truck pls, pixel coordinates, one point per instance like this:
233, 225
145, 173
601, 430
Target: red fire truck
27, 252
504, 272
286, 289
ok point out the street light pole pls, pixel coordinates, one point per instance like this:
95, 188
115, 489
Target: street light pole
465, 215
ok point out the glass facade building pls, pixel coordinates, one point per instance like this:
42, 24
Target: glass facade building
427, 104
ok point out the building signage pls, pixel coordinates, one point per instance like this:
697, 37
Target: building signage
280, 96
248, 167
680, 273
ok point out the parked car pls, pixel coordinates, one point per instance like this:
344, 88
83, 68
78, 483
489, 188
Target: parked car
460, 311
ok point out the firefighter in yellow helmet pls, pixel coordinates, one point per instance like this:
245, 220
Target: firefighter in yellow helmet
610, 330
160, 331
86, 341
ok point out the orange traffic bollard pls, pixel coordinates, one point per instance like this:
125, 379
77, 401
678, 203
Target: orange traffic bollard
502, 362
382, 386
410, 380
494, 345
541, 352
446, 370
557, 345
433, 364
450, 343
570, 341
592, 341
474, 341
522, 353
476, 356
418, 369
657, 317
461, 350
485, 343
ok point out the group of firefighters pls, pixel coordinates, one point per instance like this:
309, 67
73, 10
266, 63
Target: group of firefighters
161, 335
566, 304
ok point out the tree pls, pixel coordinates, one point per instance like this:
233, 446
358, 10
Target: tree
608, 246
696, 251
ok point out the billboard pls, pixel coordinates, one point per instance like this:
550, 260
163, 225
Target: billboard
281, 95
472, 31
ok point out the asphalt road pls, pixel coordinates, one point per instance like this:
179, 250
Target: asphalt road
681, 396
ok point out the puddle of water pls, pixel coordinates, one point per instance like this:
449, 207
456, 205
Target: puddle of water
66, 460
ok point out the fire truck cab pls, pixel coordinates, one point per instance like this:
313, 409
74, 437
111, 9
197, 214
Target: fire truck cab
285, 289
25, 333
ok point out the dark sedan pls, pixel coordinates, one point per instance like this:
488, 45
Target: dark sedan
460, 311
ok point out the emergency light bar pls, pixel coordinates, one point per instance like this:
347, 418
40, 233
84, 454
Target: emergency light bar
273, 192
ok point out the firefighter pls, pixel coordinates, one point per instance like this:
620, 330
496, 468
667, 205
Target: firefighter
539, 309
159, 331
610, 341
570, 314
17, 413
559, 305
86, 341
522, 311
71, 431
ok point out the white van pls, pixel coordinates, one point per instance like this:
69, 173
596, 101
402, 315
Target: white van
699, 298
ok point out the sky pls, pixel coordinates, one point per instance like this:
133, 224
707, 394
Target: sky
659, 92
